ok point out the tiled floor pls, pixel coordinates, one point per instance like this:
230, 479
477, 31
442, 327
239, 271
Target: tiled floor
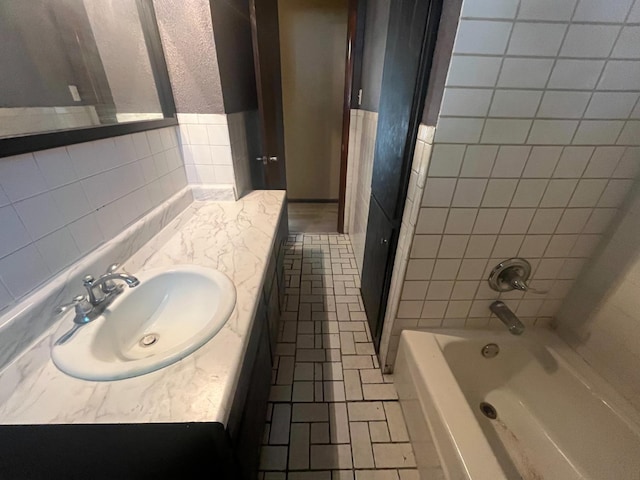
332, 414
313, 217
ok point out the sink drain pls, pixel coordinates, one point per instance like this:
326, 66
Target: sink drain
488, 410
490, 350
148, 340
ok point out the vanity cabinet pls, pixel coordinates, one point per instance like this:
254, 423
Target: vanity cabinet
201, 450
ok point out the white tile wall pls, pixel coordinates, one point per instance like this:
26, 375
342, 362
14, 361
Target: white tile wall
57, 205
206, 147
600, 315
536, 171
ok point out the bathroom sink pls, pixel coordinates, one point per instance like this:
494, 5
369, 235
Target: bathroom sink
169, 315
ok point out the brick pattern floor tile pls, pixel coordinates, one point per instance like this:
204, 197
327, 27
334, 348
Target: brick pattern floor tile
332, 414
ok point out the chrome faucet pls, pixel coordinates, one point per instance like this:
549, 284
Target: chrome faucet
89, 307
507, 317
107, 285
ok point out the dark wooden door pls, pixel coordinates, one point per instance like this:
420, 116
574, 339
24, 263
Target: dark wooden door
380, 233
266, 56
409, 51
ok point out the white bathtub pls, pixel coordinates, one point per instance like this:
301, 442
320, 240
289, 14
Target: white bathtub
556, 419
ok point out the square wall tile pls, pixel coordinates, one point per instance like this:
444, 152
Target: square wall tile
480, 246
546, 9
453, 246
590, 41
438, 192
614, 193
545, 220
576, 74
604, 162
459, 130
510, 161
419, 269
611, 105
573, 162
596, 11
507, 246
536, 39
573, 220
21, 178
469, 192
490, 8
425, 246
460, 220
628, 44
534, 246
563, 104
542, 162
518, 220
472, 269
552, 132
482, 37
431, 220
489, 220
466, 102
478, 160
529, 192
525, 72
588, 193
499, 192
56, 167
558, 193
13, 235
414, 290
515, 103
621, 75
630, 134
446, 160
440, 290
23, 270
505, 131
469, 71
598, 132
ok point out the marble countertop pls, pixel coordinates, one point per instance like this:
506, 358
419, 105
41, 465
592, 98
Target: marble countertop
233, 237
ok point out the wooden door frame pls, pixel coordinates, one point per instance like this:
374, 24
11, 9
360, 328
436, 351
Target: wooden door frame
353, 60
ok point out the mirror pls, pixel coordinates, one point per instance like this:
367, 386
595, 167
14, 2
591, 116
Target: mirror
69, 64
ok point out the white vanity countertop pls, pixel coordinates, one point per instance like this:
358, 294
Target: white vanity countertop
233, 237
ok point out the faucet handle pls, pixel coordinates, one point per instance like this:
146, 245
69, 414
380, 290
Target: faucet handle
79, 302
109, 285
88, 280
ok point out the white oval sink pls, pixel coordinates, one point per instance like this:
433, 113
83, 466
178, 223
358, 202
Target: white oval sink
169, 315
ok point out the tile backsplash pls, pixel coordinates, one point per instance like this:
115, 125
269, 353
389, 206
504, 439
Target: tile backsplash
206, 148
535, 149
57, 205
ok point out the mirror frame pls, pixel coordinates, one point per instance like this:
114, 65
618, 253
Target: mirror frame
59, 138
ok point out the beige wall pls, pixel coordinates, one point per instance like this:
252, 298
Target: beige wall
313, 47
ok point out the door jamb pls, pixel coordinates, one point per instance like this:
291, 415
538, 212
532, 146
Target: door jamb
355, 9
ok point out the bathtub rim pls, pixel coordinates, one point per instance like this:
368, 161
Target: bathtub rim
430, 350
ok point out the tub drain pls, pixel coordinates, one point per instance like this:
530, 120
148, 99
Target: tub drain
488, 410
148, 340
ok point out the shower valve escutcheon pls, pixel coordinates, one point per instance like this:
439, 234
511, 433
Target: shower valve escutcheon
512, 274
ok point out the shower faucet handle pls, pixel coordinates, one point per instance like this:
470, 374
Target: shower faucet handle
512, 274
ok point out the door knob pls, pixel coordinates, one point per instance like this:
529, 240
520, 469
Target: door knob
273, 159
263, 159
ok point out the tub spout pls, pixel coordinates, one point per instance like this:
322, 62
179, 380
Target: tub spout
507, 317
